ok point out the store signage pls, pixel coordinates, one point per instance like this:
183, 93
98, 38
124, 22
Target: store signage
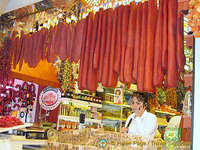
50, 98
118, 96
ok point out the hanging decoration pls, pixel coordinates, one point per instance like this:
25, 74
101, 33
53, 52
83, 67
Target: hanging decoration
16, 96
152, 100
5, 60
194, 17
75, 69
180, 92
171, 98
65, 75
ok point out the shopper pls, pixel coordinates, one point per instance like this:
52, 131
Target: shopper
140, 122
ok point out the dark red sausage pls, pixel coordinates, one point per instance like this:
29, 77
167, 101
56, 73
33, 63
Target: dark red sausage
71, 42
158, 74
58, 38
81, 70
45, 39
92, 80
21, 43
30, 53
128, 63
137, 41
165, 36
103, 45
98, 41
63, 43
113, 76
87, 51
143, 45
27, 48
125, 21
22, 57
30, 48
117, 64
151, 27
39, 45
69, 33
78, 40
172, 73
51, 45
34, 52
106, 60
180, 43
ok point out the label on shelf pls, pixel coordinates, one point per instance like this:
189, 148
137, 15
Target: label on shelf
82, 118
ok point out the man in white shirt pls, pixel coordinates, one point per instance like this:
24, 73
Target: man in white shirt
140, 122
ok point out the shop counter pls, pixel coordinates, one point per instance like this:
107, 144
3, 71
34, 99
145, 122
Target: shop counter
13, 142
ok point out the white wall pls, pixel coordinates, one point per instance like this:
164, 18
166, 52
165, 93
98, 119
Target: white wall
196, 103
15, 4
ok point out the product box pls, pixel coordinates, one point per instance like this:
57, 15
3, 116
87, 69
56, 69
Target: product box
172, 134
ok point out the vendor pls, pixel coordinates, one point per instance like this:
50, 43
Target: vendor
140, 122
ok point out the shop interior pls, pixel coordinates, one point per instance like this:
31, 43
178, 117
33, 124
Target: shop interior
69, 70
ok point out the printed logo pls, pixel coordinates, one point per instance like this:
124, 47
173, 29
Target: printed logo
50, 98
102, 143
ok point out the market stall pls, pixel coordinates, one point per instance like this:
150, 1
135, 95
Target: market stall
70, 69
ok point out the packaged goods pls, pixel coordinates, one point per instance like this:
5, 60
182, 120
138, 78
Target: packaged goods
172, 134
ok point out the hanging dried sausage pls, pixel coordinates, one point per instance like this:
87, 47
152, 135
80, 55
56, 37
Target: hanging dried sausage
92, 80
172, 73
106, 60
63, 43
158, 75
103, 45
113, 76
165, 36
78, 38
80, 84
128, 63
117, 64
180, 43
98, 41
142, 55
137, 41
151, 26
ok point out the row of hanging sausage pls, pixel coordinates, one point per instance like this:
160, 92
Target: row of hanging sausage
139, 44
136, 43
61, 40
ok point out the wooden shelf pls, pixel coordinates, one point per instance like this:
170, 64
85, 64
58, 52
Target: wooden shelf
164, 112
113, 104
82, 102
72, 118
113, 118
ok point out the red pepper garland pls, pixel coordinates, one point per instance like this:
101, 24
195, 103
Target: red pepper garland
5, 60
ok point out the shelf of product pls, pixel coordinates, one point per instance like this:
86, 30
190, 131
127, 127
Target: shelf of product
81, 102
72, 118
71, 109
